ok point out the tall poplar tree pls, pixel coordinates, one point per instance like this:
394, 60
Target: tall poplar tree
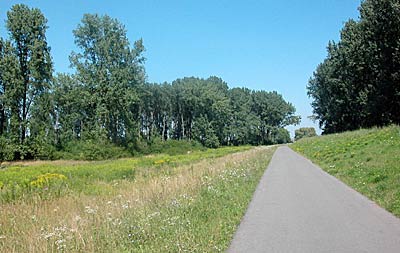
33, 69
111, 72
358, 84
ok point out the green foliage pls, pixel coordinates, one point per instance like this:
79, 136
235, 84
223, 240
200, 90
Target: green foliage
170, 147
366, 160
25, 76
207, 111
110, 72
242, 123
304, 132
7, 149
106, 107
357, 84
33, 71
204, 133
281, 136
91, 150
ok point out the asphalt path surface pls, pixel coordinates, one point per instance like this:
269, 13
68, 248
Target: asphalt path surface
297, 207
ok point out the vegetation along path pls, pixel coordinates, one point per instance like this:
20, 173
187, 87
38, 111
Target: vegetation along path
297, 207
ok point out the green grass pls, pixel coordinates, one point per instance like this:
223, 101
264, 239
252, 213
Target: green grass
366, 160
201, 221
184, 203
18, 181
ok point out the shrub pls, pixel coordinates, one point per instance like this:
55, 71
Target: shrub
304, 132
40, 148
6, 150
91, 150
170, 147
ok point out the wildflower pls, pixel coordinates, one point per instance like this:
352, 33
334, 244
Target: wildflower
153, 215
90, 210
117, 222
175, 203
60, 243
126, 205
48, 235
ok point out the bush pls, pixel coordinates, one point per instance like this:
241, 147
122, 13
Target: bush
304, 132
211, 141
6, 149
170, 147
40, 148
91, 150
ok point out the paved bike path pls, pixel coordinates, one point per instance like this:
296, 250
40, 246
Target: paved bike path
297, 207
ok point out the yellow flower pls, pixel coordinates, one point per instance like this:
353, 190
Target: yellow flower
46, 179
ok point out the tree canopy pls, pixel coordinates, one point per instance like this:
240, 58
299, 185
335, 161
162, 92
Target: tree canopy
26, 72
358, 84
107, 100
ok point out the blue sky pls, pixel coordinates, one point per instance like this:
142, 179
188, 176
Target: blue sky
262, 45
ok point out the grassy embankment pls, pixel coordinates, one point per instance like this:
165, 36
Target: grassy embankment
160, 203
366, 160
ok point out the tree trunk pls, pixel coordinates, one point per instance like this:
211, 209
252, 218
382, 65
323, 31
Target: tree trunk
183, 127
151, 128
164, 128
24, 112
2, 119
23, 61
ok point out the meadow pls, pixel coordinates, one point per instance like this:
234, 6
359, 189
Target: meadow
366, 160
159, 203
48, 179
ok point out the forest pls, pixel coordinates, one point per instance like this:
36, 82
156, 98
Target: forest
107, 107
358, 83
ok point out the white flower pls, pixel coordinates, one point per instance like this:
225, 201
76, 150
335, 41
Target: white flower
90, 210
175, 203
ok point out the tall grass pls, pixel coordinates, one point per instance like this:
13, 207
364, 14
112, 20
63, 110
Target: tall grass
188, 204
367, 160
17, 181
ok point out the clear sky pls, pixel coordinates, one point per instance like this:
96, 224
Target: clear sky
263, 45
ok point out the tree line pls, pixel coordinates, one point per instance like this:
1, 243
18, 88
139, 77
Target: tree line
358, 84
108, 100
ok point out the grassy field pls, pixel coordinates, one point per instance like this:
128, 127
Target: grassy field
48, 179
366, 160
161, 203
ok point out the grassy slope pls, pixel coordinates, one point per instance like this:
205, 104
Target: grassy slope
185, 203
366, 160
